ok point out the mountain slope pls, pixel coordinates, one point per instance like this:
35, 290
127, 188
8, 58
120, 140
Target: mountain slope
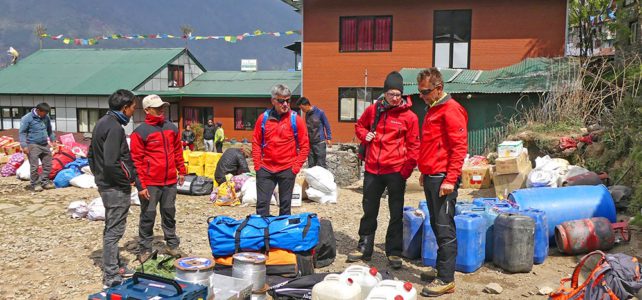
89, 18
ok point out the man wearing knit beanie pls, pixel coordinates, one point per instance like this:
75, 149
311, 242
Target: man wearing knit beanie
389, 131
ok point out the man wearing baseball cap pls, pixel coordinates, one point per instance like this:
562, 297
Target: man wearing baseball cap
158, 155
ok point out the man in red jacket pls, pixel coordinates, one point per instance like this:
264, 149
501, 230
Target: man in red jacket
157, 153
390, 130
279, 149
444, 144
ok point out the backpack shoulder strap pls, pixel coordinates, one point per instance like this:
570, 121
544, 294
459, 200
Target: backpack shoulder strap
377, 115
266, 114
295, 129
577, 289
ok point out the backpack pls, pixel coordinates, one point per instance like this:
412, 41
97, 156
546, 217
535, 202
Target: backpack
266, 115
196, 185
615, 276
326, 249
59, 160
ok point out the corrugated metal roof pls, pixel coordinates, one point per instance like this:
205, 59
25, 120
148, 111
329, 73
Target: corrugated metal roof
84, 71
240, 84
532, 75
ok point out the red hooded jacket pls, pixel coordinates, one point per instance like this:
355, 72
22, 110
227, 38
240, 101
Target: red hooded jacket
280, 151
396, 144
444, 139
157, 152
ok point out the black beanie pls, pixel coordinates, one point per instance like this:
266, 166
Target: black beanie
393, 81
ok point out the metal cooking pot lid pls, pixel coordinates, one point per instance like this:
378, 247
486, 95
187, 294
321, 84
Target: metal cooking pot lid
193, 264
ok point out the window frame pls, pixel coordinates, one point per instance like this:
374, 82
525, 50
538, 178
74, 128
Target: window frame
170, 76
370, 92
203, 117
374, 34
101, 113
22, 110
259, 111
451, 42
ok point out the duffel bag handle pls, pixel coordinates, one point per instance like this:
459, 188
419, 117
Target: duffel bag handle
173, 283
237, 234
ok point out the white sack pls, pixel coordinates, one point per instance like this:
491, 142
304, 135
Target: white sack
321, 197
84, 181
134, 197
297, 195
24, 171
96, 210
320, 179
86, 170
77, 209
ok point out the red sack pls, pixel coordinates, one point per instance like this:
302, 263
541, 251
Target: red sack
60, 159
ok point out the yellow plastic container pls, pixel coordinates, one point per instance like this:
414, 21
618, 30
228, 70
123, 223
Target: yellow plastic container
186, 154
198, 170
197, 158
209, 171
212, 158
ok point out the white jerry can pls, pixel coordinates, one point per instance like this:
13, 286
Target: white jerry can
393, 290
364, 276
335, 287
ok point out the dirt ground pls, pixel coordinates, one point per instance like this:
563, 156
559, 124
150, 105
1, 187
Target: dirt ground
47, 255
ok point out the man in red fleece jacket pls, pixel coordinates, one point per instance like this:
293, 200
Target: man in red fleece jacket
157, 152
390, 130
444, 144
278, 152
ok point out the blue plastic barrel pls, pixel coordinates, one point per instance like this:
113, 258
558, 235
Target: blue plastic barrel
429, 241
485, 202
471, 242
567, 203
413, 221
541, 233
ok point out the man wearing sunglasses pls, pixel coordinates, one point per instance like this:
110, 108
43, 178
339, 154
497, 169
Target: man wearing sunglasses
280, 146
444, 144
390, 130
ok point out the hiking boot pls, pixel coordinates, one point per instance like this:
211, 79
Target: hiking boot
36, 188
143, 256
437, 288
126, 272
429, 275
175, 252
364, 249
110, 283
395, 262
48, 186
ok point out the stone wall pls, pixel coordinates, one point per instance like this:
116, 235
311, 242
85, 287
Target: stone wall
344, 165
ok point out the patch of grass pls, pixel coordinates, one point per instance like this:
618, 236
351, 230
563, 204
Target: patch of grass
637, 220
564, 126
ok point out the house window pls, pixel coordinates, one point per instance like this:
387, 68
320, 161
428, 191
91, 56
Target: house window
245, 117
10, 117
176, 76
353, 101
88, 117
634, 27
199, 115
365, 34
451, 39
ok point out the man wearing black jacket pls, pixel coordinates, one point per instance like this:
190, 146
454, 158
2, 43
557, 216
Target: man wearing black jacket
208, 136
114, 173
233, 161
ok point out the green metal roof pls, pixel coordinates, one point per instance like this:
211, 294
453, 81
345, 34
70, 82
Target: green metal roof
84, 71
532, 75
240, 84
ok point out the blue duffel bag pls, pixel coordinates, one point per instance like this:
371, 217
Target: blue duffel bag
256, 233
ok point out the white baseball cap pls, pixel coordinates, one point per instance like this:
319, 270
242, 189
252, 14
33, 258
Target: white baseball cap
153, 101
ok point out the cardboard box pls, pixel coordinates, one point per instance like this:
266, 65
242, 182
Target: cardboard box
510, 149
5, 140
11, 148
476, 177
512, 165
4, 158
507, 183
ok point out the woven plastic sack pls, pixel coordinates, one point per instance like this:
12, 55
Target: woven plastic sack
96, 210
15, 161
